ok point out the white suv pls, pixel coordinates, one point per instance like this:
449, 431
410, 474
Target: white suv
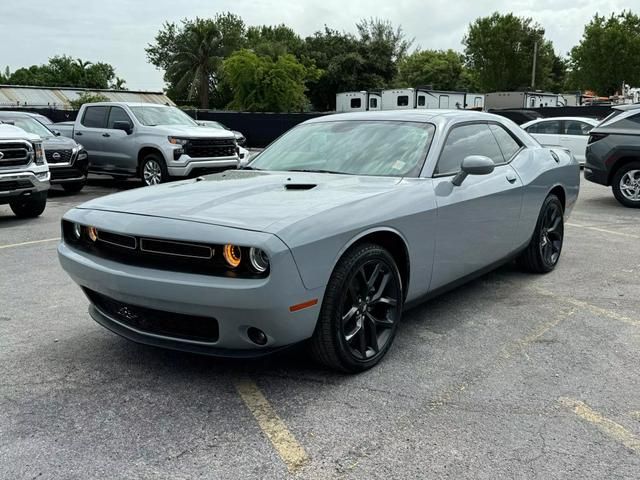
24, 173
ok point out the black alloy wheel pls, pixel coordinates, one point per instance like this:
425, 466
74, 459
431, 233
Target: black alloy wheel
543, 252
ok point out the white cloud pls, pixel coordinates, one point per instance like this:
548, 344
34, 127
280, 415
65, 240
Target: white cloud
117, 31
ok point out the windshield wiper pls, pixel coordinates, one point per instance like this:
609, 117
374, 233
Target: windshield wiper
248, 167
311, 170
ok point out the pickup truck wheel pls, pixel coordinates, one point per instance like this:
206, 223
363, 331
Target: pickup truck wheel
153, 170
361, 310
626, 185
74, 187
30, 207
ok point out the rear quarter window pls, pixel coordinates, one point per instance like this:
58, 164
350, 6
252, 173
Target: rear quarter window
628, 123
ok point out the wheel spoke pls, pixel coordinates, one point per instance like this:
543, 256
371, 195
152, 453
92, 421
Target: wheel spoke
382, 287
379, 323
374, 277
392, 302
349, 315
349, 336
363, 342
373, 335
555, 224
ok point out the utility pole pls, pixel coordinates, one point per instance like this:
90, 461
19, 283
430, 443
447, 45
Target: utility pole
533, 71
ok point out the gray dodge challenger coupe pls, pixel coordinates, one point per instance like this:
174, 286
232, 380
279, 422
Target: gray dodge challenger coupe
326, 236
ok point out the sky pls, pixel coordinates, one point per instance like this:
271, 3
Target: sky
117, 31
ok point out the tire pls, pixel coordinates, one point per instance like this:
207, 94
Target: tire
355, 329
74, 187
30, 207
543, 252
153, 170
626, 185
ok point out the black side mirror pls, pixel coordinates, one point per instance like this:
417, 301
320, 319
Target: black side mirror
124, 126
473, 165
55, 133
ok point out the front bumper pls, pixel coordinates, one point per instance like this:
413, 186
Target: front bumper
236, 304
76, 172
18, 184
186, 165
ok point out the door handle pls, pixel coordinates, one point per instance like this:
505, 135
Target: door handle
106, 135
511, 178
78, 134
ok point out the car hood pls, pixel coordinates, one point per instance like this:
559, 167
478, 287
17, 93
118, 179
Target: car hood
187, 131
58, 143
251, 200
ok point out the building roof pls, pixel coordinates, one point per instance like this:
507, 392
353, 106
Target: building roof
61, 97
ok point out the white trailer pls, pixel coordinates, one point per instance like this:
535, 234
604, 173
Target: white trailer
399, 99
523, 100
428, 98
474, 100
358, 101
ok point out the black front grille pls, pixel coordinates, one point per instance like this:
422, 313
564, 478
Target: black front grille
14, 154
58, 156
210, 148
159, 254
65, 173
9, 185
157, 322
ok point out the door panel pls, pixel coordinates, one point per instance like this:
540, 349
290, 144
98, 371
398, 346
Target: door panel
118, 145
476, 223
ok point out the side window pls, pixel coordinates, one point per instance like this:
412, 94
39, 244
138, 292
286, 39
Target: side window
576, 127
373, 103
632, 123
117, 114
506, 142
403, 101
474, 139
422, 101
549, 127
356, 103
95, 117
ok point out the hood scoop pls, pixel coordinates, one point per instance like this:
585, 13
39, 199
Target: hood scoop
300, 186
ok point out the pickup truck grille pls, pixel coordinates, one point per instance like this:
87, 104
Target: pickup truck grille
9, 185
59, 156
210, 148
15, 154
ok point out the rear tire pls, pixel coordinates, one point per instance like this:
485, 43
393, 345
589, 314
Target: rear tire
74, 187
153, 170
30, 207
626, 185
360, 312
543, 252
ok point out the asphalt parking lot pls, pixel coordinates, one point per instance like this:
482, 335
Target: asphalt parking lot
511, 376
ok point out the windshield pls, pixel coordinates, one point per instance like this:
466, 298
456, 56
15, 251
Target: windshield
385, 148
159, 115
29, 125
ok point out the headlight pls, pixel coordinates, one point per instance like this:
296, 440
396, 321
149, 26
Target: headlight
259, 260
232, 255
178, 141
77, 231
39, 153
92, 232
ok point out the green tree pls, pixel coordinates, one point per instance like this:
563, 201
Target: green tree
444, 69
608, 54
260, 83
274, 41
64, 71
191, 55
87, 97
499, 51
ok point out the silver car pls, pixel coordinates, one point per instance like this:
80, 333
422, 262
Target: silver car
326, 236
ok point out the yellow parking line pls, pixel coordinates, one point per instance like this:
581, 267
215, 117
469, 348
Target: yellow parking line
589, 307
288, 448
604, 230
12, 245
608, 427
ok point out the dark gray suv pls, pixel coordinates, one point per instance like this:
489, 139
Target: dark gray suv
613, 154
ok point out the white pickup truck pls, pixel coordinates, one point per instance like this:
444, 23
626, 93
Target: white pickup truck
24, 173
150, 141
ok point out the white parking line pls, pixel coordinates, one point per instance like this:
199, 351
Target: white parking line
604, 230
33, 242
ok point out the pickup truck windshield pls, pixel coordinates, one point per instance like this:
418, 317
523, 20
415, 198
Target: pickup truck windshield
385, 148
158, 115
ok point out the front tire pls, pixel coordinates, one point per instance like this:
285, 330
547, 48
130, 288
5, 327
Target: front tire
360, 312
30, 207
626, 185
153, 170
543, 253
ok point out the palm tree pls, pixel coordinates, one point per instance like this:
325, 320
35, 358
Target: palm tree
198, 58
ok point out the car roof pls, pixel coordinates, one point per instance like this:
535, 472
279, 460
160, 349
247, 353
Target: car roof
128, 104
409, 115
12, 114
590, 120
